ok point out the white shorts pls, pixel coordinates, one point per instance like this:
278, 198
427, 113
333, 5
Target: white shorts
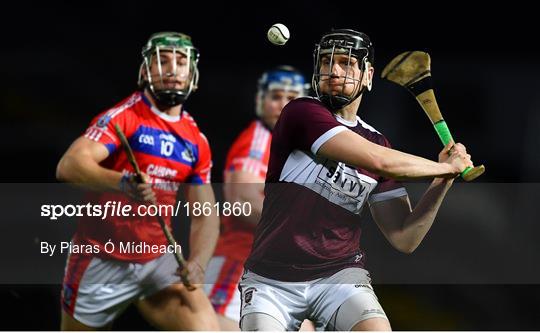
95, 291
317, 300
221, 286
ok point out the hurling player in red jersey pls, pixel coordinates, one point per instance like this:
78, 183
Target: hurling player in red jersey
325, 164
170, 150
244, 175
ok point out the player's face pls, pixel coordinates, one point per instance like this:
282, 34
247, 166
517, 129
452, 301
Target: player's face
342, 78
175, 71
274, 101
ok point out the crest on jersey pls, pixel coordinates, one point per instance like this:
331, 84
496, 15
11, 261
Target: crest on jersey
187, 155
104, 120
248, 295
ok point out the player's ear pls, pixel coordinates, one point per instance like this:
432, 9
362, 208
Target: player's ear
370, 71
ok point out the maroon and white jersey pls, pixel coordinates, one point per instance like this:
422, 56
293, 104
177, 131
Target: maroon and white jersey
310, 224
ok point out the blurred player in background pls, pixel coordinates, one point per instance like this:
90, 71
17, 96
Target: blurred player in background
325, 164
244, 175
170, 149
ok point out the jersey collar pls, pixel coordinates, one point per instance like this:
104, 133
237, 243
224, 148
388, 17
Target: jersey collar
160, 114
349, 123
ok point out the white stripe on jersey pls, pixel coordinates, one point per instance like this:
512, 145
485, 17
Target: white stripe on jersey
203, 136
264, 142
90, 133
244, 164
94, 134
260, 141
383, 196
366, 125
251, 164
112, 137
254, 166
325, 137
121, 108
255, 139
338, 183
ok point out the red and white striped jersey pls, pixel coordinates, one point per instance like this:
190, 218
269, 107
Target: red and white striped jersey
169, 149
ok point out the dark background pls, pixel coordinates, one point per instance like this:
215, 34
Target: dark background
60, 65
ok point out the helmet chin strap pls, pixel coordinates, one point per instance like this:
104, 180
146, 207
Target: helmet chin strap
335, 103
166, 98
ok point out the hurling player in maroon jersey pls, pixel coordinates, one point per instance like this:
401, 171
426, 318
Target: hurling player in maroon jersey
325, 164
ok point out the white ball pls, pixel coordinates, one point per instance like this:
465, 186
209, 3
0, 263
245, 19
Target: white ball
278, 34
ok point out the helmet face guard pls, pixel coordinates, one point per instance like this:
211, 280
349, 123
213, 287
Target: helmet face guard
284, 78
182, 68
351, 44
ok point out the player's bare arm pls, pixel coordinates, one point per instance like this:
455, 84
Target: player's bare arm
80, 165
204, 231
245, 187
351, 148
405, 228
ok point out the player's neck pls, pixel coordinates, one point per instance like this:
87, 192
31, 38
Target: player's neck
349, 112
170, 111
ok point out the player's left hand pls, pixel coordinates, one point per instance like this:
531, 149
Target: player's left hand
454, 150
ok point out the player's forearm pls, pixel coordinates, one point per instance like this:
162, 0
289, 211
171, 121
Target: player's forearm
203, 238
85, 171
244, 188
398, 165
251, 197
204, 223
256, 211
353, 149
420, 220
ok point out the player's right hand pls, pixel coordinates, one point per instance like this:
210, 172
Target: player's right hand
138, 191
195, 274
456, 155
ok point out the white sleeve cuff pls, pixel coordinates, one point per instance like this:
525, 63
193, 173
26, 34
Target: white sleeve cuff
325, 137
383, 196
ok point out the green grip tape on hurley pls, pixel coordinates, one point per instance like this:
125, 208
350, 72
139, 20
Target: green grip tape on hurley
444, 134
